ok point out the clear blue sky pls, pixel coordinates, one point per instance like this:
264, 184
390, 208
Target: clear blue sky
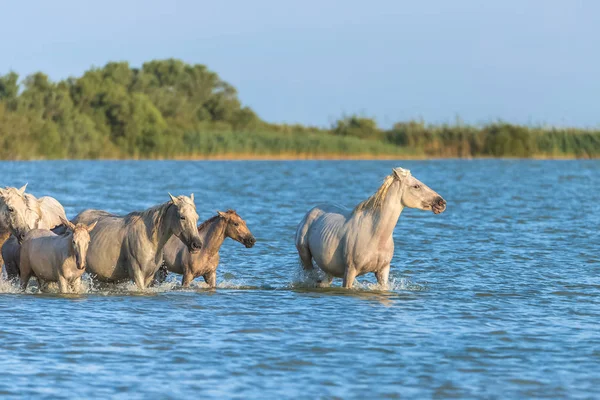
310, 61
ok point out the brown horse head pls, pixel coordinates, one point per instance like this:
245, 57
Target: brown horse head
237, 229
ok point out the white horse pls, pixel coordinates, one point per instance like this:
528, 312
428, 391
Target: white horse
56, 258
21, 212
349, 243
131, 246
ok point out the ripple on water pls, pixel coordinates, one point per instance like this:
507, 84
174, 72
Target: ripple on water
498, 296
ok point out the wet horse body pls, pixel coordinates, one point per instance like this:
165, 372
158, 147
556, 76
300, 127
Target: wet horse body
131, 246
213, 233
21, 212
56, 258
348, 243
4, 235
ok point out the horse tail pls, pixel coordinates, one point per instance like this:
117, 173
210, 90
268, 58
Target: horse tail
302, 242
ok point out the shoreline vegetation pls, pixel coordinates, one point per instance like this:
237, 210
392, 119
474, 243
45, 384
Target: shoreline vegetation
171, 110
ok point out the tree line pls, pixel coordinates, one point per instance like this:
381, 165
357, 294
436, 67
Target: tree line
170, 109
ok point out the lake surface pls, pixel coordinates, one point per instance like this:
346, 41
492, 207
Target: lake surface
498, 297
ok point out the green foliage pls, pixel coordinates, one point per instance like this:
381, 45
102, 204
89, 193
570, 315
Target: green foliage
494, 140
285, 144
9, 89
168, 108
360, 127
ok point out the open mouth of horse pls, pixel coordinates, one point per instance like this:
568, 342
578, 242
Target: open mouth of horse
438, 206
438, 210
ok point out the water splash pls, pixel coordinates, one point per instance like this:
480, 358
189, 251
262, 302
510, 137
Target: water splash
395, 284
301, 280
316, 278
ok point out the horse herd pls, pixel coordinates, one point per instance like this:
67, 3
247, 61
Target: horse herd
39, 241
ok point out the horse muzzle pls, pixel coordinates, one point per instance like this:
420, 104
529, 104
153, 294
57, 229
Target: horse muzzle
20, 237
249, 242
80, 264
195, 246
438, 206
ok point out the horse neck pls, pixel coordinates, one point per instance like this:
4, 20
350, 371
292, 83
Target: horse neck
385, 218
158, 221
66, 246
33, 206
213, 236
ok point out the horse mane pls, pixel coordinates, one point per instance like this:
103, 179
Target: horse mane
33, 204
212, 219
153, 214
153, 217
376, 200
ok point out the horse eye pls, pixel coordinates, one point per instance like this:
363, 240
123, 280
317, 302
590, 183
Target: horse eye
236, 224
10, 209
183, 218
417, 186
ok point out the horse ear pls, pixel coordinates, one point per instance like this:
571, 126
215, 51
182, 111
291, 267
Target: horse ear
222, 214
67, 223
401, 173
174, 199
192, 197
91, 226
22, 189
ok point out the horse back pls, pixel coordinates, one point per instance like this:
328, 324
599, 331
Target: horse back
52, 212
91, 215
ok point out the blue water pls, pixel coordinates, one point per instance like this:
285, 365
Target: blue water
498, 297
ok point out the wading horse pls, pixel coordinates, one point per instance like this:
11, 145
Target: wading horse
19, 213
349, 243
131, 246
213, 233
56, 258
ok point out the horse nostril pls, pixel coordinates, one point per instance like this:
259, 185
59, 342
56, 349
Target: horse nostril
441, 202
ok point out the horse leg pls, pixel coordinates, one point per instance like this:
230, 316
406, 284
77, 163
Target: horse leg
3, 238
24, 281
137, 275
325, 282
302, 245
188, 277
63, 285
382, 276
76, 285
161, 274
211, 279
12, 270
25, 274
349, 276
42, 285
305, 257
150, 280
